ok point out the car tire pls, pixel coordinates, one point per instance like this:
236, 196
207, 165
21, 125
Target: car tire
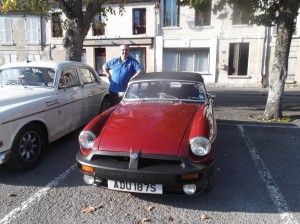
105, 104
28, 148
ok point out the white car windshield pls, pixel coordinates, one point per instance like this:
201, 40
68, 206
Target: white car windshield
27, 76
170, 90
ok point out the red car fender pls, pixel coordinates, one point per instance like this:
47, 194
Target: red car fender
96, 126
199, 126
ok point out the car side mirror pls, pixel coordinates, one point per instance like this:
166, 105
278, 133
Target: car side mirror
211, 95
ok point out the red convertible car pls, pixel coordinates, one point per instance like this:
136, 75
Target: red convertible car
159, 140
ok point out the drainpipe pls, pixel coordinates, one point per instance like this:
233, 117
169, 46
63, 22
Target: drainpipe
264, 68
156, 8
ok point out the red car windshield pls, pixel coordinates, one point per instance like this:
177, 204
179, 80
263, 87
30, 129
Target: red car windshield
171, 90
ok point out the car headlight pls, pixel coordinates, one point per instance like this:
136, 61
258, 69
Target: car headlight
200, 146
86, 139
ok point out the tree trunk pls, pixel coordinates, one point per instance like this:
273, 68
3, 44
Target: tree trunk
78, 24
73, 43
285, 28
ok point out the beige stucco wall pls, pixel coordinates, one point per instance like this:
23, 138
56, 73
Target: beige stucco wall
216, 37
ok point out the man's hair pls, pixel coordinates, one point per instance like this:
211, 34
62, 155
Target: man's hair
124, 45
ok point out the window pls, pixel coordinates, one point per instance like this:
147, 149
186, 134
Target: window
57, 30
171, 13
139, 21
186, 60
33, 57
240, 17
5, 30
69, 78
32, 24
238, 59
296, 27
87, 76
98, 25
140, 55
203, 16
291, 70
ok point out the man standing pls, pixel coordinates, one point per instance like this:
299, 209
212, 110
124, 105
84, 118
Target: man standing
123, 69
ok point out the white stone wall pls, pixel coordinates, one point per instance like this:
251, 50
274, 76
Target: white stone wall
118, 30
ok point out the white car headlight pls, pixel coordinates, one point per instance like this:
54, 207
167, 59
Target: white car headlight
86, 139
200, 146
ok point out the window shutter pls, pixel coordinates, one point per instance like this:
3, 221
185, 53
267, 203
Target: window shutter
5, 30
32, 30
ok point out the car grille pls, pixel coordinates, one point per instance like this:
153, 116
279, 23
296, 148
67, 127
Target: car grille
143, 162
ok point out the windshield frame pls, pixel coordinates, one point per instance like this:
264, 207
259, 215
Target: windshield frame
134, 94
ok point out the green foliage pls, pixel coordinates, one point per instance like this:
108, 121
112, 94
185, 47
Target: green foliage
37, 7
284, 119
260, 12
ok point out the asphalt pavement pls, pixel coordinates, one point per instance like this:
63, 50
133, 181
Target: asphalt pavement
273, 146
244, 104
256, 179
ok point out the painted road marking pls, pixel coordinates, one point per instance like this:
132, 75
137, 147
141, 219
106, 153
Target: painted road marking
36, 197
274, 191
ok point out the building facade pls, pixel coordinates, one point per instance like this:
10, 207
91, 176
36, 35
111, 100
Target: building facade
163, 37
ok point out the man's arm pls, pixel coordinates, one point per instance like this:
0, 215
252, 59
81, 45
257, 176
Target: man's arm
137, 73
106, 72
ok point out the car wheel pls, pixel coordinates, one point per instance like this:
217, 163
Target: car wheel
105, 104
28, 148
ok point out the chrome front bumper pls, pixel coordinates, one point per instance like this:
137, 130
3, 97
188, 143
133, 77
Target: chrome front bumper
4, 156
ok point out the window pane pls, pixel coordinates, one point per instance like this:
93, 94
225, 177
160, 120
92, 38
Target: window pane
238, 58
98, 25
171, 11
186, 61
170, 60
56, 25
203, 15
201, 61
239, 17
139, 55
139, 21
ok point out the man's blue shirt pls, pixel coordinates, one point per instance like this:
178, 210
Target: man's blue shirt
122, 72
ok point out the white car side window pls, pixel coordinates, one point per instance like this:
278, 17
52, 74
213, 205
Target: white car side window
69, 78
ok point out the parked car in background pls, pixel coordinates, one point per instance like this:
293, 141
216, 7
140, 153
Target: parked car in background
41, 102
160, 139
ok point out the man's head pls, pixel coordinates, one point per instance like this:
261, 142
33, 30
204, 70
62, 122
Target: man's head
124, 51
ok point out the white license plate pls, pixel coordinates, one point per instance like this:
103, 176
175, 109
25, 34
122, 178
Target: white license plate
134, 187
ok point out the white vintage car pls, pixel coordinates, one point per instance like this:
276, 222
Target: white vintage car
42, 101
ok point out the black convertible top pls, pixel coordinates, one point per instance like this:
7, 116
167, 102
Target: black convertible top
184, 76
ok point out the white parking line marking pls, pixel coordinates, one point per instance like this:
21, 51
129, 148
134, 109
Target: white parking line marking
260, 125
276, 196
36, 197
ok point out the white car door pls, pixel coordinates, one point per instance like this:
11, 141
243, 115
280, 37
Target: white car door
72, 97
95, 91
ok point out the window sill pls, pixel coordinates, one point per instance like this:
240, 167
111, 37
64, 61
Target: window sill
203, 27
7, 44
171, 28
290, 82
33, 44
241, 25
239, 77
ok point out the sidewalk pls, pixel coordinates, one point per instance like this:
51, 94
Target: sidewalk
254, 91
244, 104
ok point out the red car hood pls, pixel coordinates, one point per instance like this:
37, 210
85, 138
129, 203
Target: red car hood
147, 128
